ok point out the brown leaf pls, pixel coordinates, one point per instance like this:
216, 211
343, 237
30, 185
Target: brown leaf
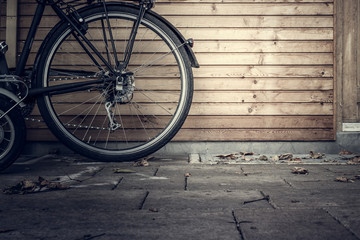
246, 153
299, 170
344, 179
345, 152
285, 156
354, 161
153, 210
231, 156
142, 163
28, 186
316, 155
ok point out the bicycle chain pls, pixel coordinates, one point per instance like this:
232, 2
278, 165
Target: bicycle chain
68, 125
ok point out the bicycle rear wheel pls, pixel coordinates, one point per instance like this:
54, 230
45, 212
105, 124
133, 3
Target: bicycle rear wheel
106, 121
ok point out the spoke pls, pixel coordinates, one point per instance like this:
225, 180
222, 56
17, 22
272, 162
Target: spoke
109, 56
81, 104
102, 128
5, 123
156, 103
80, 59
138, 43
144, 66
99, 105
121, 122
92, 120
137, 115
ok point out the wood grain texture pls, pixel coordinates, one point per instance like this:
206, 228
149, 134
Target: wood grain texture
267, 69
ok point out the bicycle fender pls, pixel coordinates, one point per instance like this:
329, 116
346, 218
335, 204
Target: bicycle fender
11, 95
187, 43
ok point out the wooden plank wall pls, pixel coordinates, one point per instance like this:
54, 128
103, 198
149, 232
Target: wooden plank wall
267, 67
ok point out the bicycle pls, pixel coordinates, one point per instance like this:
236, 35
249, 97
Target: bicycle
113, 81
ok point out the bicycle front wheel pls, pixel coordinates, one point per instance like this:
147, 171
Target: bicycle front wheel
106, 120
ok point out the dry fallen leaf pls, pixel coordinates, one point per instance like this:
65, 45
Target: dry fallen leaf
354, 161
316, 155
231, 156
41, 185
344, 179
153, 210
285, 156
143, 162
345, 152
299, 170
246, 153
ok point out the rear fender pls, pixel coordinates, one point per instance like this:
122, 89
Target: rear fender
187, 43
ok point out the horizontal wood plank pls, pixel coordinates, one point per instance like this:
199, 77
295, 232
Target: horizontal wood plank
204, 109
250, 83
265, 71
216, 46
264, 9
221, 135
215, 96
213, 21
220, 122
249, 34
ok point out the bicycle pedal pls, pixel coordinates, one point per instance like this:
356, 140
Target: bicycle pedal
3, 47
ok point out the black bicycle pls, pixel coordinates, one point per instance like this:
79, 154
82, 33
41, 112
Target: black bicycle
113, 81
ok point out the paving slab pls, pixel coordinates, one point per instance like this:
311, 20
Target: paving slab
314, 197
290, 224
348, 216
206, 200
117, 225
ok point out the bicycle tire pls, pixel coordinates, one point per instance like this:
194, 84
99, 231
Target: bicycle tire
12, 134
149, 112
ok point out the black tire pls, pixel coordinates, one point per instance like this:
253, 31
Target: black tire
12, 134
149, 110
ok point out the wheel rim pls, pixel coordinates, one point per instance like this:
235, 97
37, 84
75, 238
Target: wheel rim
7, 135
137, 121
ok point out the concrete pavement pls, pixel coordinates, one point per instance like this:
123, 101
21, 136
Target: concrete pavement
209, 198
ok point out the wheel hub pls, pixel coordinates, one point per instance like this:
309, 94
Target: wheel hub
124, 90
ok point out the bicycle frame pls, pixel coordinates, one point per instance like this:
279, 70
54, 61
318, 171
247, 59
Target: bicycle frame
78, 26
